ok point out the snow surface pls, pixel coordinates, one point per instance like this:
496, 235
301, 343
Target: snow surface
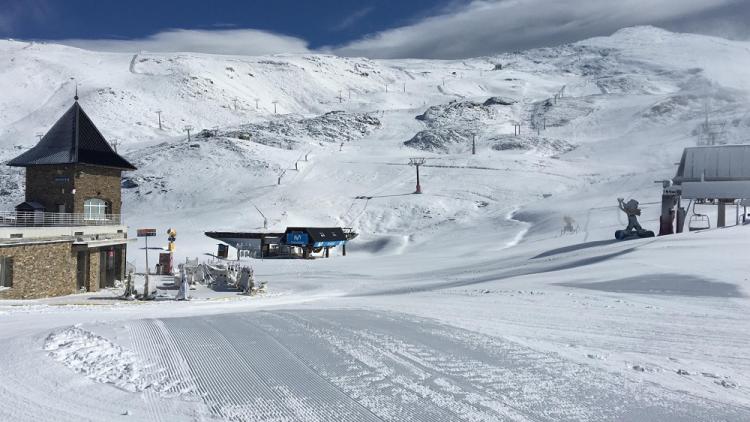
463, 303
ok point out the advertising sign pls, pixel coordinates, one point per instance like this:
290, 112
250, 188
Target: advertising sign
146, 232
297, 238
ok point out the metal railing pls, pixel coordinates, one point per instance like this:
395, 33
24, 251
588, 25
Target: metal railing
53, 219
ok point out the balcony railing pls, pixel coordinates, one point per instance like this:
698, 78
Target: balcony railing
53, 219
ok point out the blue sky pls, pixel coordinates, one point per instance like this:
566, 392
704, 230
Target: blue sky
375, 28
320, 22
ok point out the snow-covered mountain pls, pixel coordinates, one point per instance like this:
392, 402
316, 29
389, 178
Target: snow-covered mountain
603, 116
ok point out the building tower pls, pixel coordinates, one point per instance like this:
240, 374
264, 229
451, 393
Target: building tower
73, 198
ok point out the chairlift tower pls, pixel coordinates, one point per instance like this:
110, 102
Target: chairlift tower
416, 162
188, 129
265, 220
158, 113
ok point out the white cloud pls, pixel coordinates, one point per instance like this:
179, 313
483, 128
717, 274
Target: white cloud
485, 27
355, 17
248, 42
476, 28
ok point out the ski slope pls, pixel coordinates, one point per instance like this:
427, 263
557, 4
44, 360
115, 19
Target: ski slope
464, 303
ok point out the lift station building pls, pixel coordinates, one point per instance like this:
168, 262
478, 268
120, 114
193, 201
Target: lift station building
294, 242
709, 175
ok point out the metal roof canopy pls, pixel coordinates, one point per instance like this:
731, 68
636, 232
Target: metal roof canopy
246, 240
715, 172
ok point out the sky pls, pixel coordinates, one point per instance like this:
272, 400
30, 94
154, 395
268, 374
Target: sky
439, 29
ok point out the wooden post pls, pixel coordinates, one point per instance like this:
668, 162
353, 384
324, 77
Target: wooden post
343, 249
721, 220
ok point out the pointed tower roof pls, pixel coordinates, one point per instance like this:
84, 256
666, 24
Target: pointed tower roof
72, 139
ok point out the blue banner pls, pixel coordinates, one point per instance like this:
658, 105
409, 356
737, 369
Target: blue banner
297, 238
328, 243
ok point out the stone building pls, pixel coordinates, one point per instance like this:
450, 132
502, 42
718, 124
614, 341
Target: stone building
68, 235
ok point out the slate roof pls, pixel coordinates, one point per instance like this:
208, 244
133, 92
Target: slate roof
72, 139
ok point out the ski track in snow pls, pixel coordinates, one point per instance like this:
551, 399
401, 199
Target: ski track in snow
354, 365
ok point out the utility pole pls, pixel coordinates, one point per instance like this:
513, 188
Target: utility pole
235, 104
416, 162
256, 103
473, 144
114, 143
386, 87
188, 129
341, 98
158, 113
274, 106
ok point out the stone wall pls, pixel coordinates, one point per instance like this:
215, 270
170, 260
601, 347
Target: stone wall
98, 182
41, 270
51, 185
94, 270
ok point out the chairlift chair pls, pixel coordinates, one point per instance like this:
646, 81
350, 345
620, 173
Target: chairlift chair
698, 221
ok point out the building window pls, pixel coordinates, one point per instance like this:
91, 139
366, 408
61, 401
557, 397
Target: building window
6, 271
94, 209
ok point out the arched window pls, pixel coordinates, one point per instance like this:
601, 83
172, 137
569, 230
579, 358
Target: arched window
94, 209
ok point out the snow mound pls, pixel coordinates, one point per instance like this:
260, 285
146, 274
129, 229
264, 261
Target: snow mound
458, 112
438, 140
543, 145
103, 361
290, 133
451, 126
